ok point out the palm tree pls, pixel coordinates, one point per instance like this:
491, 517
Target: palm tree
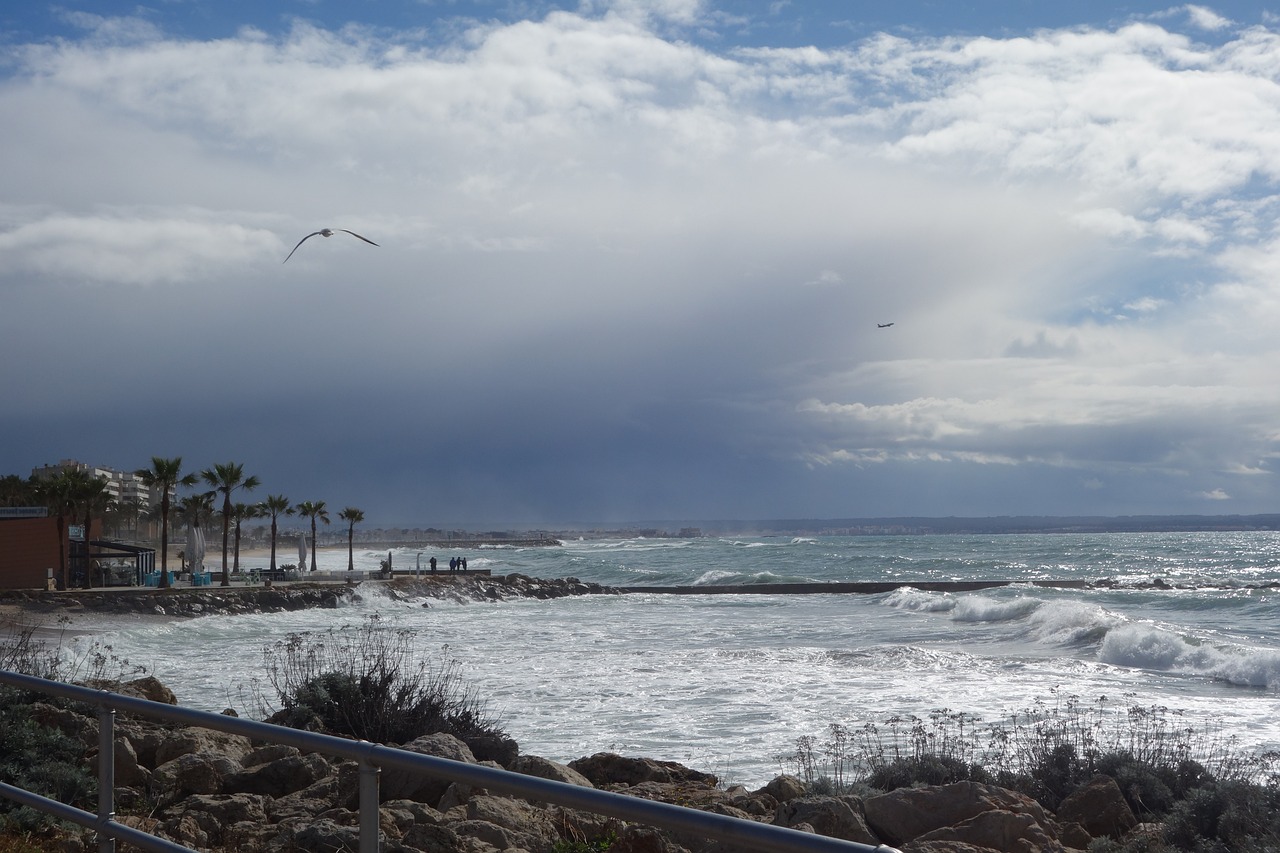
165, 475
239, 512
195, 511
313, 510
57, 494
92, 496
129, 509
273, 506
351, 515
15, 491
226, 478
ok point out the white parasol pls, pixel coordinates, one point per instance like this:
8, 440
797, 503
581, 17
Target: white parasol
195, 549
302, 553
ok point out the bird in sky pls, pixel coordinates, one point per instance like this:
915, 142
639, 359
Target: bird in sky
878, 325
326, 232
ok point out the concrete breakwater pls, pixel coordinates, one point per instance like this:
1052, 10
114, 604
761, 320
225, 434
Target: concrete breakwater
856, 587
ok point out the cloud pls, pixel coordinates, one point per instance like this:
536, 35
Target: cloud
1205, 18
596, 230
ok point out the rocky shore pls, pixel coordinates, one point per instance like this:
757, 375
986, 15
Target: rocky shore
213, 791
217, 792
205, 601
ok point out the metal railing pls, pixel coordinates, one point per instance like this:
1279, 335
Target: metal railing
372, 758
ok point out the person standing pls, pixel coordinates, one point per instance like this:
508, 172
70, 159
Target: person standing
433, 565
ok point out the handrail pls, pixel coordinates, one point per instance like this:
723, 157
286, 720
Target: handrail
373, 757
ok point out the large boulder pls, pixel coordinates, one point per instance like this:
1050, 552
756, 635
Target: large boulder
204, 820
526, 826
999, 830
783, 788
606, 769
285, 775
404, 785
907, 813
544, 768
191, 773
148, 687
203, 742
1099, 808
837, 817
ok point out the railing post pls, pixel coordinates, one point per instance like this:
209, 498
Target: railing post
369, 814
106, 775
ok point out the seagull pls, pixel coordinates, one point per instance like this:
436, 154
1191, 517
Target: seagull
326, 232
878, 325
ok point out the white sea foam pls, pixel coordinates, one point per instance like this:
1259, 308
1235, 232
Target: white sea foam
1146, 646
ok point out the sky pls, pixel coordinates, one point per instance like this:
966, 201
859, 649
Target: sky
634, 257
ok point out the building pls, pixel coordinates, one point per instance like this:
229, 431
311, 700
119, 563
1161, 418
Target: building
121, 485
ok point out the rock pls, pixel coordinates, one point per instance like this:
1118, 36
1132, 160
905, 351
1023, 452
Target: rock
403, 785
635, 838
205, 742
148, 687
526, 826
191, 773
606, 768
126, 768
784, 788
495, 836
1073, 835
543, 768
999, 830
838, 817
70, 723
493, 746
431, 838
278, 778
213, 816
326, 836
268, 753
1099, 808
907, 813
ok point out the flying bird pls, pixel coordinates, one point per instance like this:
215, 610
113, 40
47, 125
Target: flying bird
326, 232
878, 325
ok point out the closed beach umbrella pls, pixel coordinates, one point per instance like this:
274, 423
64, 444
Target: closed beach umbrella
195, 549
302, 552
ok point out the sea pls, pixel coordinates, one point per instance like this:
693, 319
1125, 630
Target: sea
730, 684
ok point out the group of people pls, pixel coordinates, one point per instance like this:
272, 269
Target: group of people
456, 564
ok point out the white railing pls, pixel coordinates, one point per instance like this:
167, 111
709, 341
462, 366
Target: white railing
372, 758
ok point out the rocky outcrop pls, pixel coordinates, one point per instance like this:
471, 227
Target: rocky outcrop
183, 601
214, 791
476, 588
207, 601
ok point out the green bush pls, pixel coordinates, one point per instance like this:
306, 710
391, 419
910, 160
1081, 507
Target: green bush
1210, 795
35, 757
598, 845
366, 682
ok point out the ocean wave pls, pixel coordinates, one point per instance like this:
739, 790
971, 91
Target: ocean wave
1151, 647
908, 598
981, 608
1072, 622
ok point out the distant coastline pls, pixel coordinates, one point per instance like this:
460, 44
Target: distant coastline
886, 526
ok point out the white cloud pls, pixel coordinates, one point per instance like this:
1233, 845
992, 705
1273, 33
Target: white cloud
586, 207
1205, 18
